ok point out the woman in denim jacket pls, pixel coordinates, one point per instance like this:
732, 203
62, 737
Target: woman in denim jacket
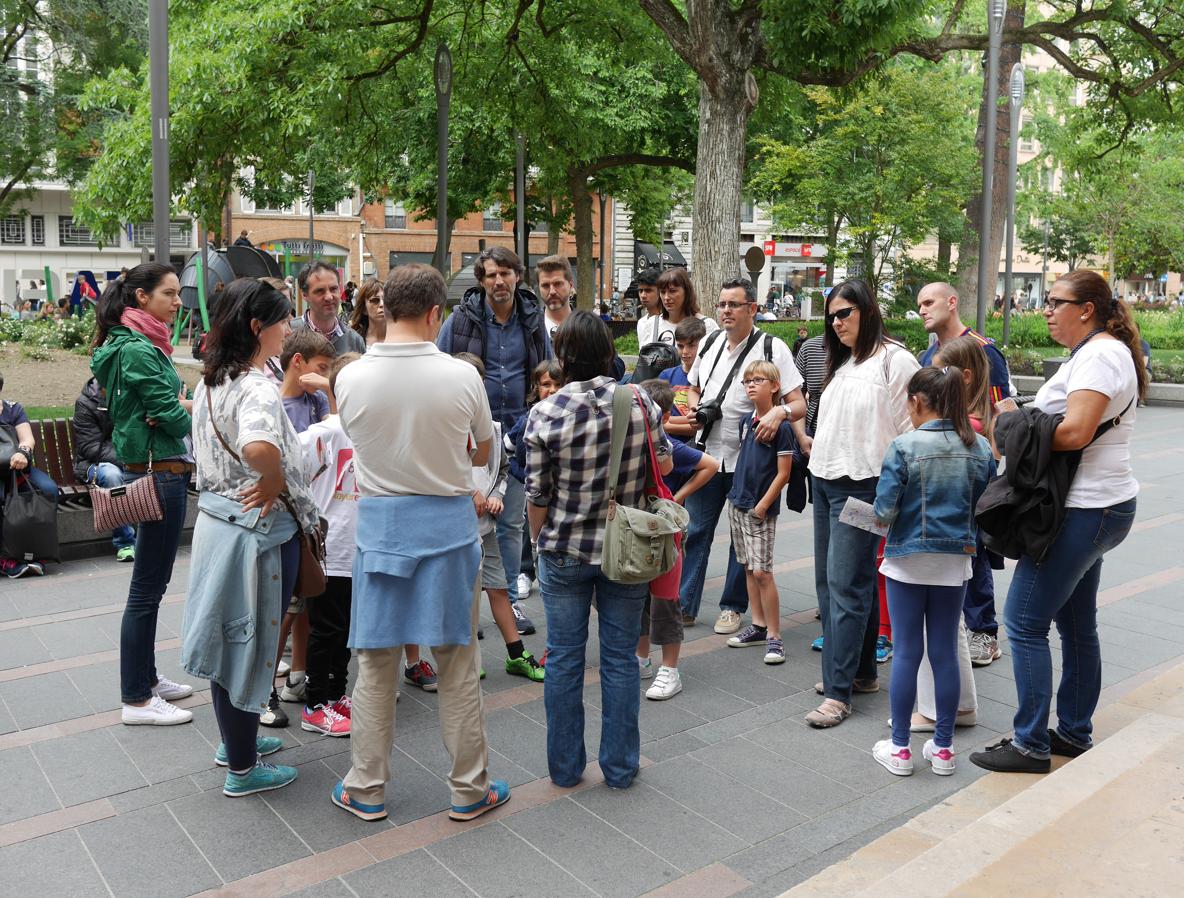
929, 483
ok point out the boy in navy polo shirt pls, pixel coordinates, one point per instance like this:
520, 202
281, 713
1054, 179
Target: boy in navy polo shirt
687, 336
762, 471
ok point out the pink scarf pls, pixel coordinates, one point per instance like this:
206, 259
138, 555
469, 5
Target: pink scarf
151, 327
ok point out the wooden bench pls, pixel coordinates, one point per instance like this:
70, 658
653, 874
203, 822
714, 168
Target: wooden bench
54, 454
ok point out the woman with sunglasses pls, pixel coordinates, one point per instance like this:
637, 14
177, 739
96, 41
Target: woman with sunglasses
1100, 382
864, 407
369, 318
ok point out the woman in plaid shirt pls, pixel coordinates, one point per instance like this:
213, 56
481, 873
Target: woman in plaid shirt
568, 440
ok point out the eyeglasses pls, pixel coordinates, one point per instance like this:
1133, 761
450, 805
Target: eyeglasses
754, 381
1053, 304
841, 314
731, 305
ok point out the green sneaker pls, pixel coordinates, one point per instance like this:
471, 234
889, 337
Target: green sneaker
263, 777
127, 553
483, 673
264, 745
526, 666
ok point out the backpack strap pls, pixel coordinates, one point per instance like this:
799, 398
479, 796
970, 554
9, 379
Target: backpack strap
1111, 423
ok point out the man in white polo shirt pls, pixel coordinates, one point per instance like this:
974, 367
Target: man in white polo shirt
715, 378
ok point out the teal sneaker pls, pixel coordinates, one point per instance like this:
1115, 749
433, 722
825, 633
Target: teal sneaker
816, 645
527, 666
263, 777
883, 649
342, 799
264, 745
499, 793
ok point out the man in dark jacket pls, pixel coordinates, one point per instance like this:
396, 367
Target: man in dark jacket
502, 323
95, 461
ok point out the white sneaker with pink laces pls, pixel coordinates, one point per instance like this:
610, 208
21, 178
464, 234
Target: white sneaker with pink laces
897, 761
942, 759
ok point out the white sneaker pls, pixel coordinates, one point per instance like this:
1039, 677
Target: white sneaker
524, 582
646, 667
294, 692
283, 669
897, 761
157, 712
728, 622
667, 684
942, 759
170, 691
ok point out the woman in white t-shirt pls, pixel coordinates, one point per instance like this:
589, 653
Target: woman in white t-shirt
678, 302
864, 407
1101, 381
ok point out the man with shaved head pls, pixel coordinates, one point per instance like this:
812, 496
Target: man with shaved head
938, 305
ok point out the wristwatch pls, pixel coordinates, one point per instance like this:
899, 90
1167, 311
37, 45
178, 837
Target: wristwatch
26, 451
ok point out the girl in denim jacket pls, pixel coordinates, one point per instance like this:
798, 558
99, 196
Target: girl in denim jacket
929, 483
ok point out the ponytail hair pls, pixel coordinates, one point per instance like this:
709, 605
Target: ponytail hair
945, 394
967, 354
1110, 313
120, 294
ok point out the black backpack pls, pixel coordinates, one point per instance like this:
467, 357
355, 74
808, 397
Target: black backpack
654, 357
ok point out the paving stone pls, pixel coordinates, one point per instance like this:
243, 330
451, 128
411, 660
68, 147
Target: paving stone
494, 862
177, 867
332, 888
21, 647
668, 747
667, 828
98, 683
736, 806
239, 836
164, 753
306, 808
26, 791
7, 724
43, 699
71, 763
659, 719
413, 791
69, 639
150, 795
8, 610
754, 719
519, 738
563, 830
768, 858
50, 867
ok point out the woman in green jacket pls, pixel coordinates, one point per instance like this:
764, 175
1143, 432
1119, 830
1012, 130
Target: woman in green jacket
150, 414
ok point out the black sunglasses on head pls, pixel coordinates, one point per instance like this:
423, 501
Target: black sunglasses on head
841, 314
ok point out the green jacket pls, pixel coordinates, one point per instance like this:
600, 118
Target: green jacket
141, 383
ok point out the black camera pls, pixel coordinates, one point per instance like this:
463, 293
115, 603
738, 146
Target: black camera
709, 412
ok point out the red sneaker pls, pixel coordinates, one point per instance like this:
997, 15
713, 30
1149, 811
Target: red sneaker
325, 720
344, 706
543, 660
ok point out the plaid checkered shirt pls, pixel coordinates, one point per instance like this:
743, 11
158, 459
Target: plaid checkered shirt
568, 444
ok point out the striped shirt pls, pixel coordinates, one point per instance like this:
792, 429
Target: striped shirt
811, 364
1000, 376
568, 449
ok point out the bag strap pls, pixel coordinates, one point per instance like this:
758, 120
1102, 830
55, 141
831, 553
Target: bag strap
622, 406
727, 384
657, 329
1106, 426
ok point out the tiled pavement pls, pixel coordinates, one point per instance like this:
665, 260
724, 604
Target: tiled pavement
737, 795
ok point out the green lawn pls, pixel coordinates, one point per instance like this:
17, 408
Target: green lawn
37, 412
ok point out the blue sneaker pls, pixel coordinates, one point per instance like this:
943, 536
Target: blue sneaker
264, 745
342, 799
816, 645
499, 793
263, 777
883, 649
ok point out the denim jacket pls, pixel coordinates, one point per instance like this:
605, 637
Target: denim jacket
929, 484
232, 610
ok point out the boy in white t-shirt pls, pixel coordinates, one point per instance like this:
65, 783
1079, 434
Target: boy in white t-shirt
329, 464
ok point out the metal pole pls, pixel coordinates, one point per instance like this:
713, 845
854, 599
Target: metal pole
312, 180
520, 198
995, 13
1044, 266
603, 201
158, 73
443, 79
1017, 106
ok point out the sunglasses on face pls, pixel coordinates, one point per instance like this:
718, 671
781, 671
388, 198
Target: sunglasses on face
841, 314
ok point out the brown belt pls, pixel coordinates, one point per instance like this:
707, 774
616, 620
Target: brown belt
165, 467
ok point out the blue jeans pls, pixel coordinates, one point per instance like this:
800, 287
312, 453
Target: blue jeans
920, 612
979, 604
705, 507
509, 532
156, 550
107, 475
845, 580
568, 585
37, 479
1061, 588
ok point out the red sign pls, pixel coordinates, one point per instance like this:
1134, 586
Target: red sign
770, 247
807, 249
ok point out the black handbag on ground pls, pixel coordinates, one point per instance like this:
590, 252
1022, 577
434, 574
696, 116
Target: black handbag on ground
30, 524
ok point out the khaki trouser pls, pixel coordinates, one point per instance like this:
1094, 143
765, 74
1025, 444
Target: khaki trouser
462, 719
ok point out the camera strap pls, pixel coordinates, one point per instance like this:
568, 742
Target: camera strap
727, 384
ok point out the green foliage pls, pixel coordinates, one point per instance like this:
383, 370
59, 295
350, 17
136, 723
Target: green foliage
38, 337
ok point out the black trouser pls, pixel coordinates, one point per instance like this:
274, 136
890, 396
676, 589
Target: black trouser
328, 642
239, 729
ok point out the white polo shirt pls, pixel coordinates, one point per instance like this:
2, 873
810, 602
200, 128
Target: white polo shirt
709, 372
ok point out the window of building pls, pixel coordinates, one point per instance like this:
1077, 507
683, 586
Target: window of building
539, 227
12, 230
393, 214
1027, 140
491, 218
70, 234
747, 210
37, 229
396, 258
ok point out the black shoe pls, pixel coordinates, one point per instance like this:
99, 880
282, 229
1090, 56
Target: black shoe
1059, 746
1003, 757
480, 633
275, 715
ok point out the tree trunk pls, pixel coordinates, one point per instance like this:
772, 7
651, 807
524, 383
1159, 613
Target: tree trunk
554, 232
449, 227
943, 254
832, 247
719, 174
1009, 55
581, 200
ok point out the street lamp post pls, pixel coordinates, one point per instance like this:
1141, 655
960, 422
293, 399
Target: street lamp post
1044, 264
520, 203
158, 76
312, 180
995, 12
443, 79
600, 192
1017, 106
